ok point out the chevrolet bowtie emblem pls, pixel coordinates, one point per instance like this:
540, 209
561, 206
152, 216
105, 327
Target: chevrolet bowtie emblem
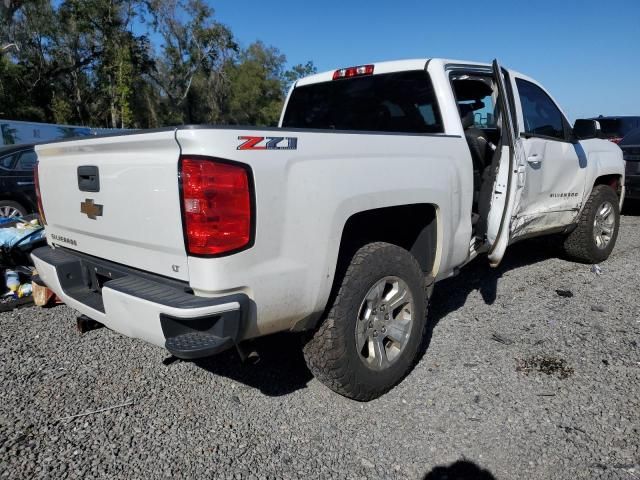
92, 210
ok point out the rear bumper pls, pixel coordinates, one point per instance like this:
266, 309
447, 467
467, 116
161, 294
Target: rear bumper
632, 186
141, 305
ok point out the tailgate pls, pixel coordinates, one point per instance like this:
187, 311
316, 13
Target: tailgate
130, 214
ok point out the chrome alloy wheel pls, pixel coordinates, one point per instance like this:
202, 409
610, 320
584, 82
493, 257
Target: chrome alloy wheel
384, 323
7, 211
604, 225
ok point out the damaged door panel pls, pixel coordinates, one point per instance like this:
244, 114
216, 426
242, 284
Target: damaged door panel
555, 165
530, 225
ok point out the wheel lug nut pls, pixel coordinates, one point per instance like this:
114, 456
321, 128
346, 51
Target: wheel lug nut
384, 329
375, 333
386, 316
370, 324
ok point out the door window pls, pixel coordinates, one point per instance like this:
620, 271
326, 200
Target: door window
475, 93
27, 161
541, 115
6, 162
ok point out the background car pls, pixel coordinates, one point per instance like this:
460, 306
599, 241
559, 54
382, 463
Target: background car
630, 146
15, 132
17, 190
615, 128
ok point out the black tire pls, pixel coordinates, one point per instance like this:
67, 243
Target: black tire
581, 244
10, 205
331, 352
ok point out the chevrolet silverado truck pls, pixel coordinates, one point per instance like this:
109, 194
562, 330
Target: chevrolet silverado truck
380, 180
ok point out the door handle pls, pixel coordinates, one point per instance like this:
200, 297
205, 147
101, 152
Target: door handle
88, 178
20, 184
534, 158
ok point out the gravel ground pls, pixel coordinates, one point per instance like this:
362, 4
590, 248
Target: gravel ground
518, 382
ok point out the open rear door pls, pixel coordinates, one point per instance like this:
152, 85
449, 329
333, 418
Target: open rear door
509, 176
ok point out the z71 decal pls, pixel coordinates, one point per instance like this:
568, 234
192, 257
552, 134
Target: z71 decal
268, 143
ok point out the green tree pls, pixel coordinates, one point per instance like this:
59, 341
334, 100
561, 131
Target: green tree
298, 71
61, 110
258, 83
195, 48
102, 28
79, 61
255, 92
23, 91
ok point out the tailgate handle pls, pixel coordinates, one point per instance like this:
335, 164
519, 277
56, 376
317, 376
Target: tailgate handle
88, 178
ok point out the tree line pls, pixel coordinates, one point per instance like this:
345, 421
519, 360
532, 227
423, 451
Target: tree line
135, 64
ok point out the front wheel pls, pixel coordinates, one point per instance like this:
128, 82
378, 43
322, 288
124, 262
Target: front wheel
376, 325
597, 231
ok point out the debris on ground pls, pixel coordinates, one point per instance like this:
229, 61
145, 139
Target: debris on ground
93, 412
501, 339
18, 237
544, 364
11, 280
564, 293
24, 290
595, 268
9, 303
19, 289
598, 308
43, 296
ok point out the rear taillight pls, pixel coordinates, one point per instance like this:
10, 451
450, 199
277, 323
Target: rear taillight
36, 181
615, 140
353, 72
216, 204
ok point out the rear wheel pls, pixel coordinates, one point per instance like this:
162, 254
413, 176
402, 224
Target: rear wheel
597, 231
11, 209
376, 325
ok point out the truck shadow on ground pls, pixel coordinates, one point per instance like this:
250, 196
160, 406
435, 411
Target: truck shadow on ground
451, 294
631, 208
280, 368
460, 470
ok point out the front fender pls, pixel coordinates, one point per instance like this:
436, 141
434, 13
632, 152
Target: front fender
603, 158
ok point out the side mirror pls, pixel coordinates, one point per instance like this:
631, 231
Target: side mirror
585, 129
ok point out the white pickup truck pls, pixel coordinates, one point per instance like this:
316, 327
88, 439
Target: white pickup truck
379, 181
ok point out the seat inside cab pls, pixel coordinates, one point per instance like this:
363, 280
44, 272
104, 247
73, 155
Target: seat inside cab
476, 98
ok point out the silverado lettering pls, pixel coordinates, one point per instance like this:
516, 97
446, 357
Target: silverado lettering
61, 239
563, 195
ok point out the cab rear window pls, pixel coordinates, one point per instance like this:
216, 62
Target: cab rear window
402, 102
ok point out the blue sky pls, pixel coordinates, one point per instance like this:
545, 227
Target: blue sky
585, 52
